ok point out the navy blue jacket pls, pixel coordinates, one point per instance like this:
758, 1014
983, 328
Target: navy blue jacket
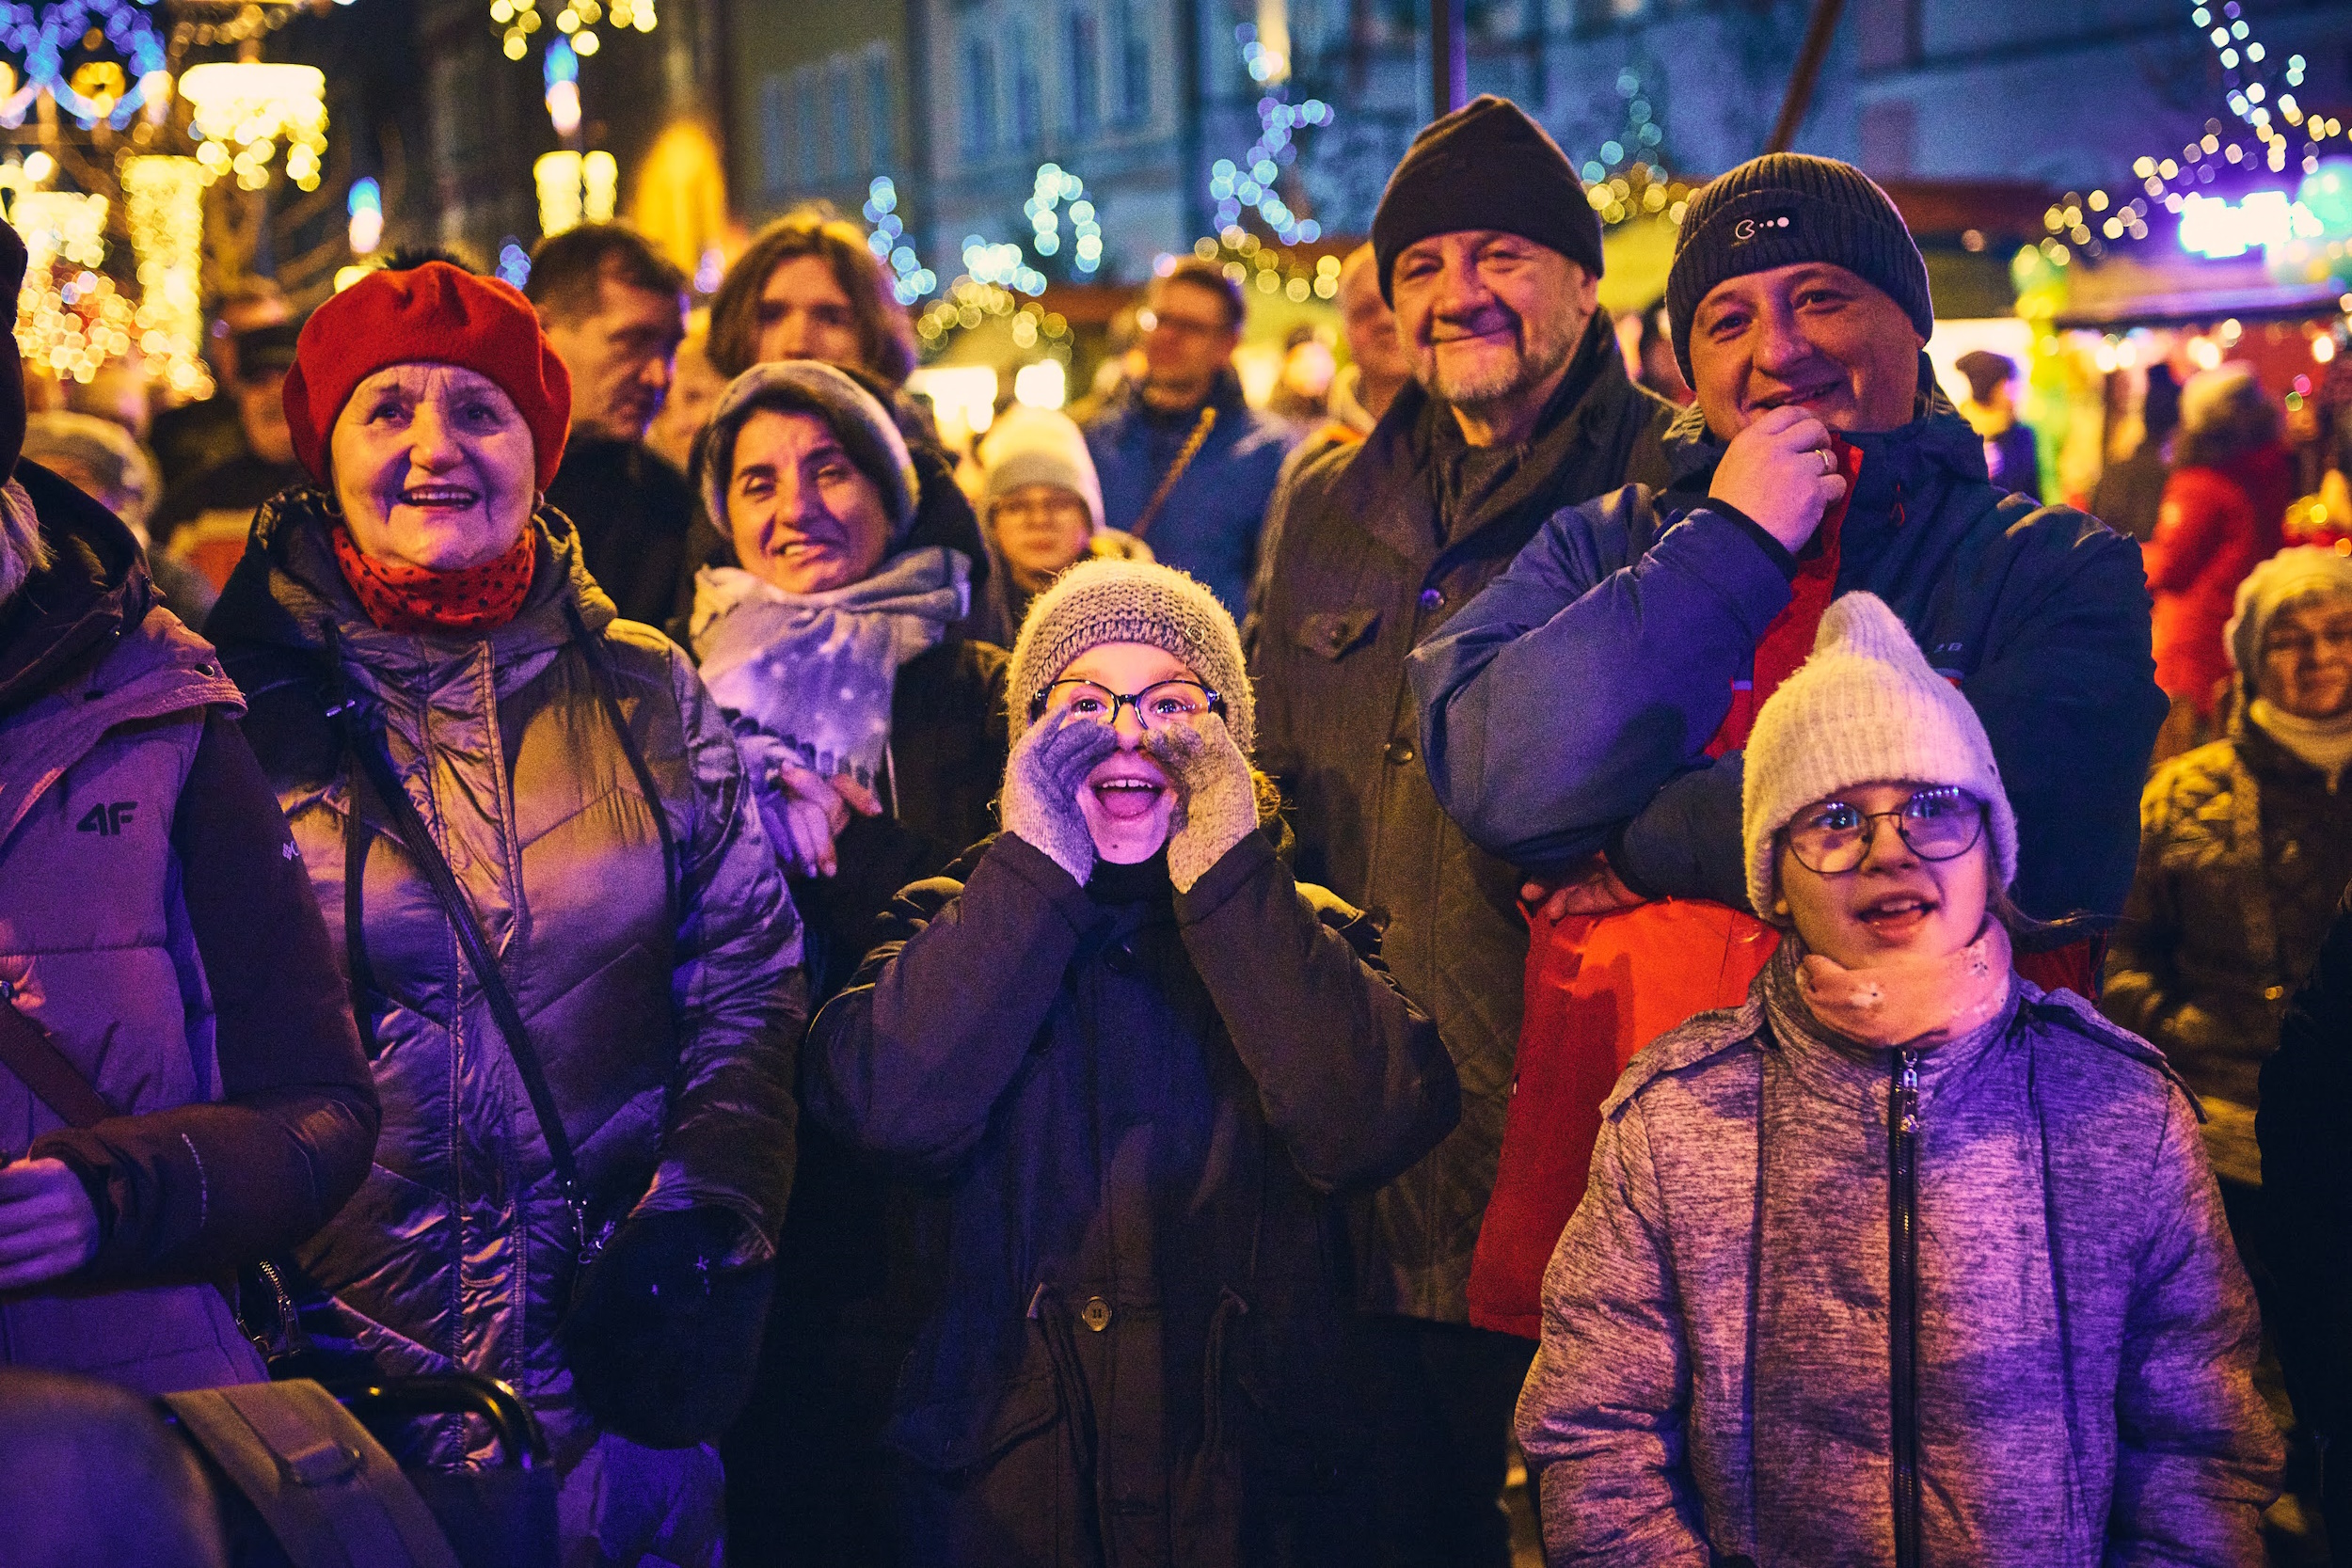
1210, 523
1566, 709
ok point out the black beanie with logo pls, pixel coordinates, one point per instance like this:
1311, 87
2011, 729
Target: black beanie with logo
1783, 208
1485, 166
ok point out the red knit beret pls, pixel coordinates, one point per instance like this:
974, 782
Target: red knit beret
427, 315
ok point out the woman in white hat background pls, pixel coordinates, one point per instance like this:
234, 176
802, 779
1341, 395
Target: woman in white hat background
1904, 1259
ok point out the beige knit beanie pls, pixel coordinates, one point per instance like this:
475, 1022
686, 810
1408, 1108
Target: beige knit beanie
1863, 710
1103, 601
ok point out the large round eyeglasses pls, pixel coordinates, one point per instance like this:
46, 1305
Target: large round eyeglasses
1167, 702
1939, 824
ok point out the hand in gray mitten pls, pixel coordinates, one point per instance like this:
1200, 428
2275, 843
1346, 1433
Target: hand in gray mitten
1216, 802
1043, 777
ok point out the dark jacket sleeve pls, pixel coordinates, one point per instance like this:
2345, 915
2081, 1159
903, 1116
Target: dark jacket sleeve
2068, 694
203, 1188
909, 1061
2307, 1178
1350, 1074
737, 993
1555, 705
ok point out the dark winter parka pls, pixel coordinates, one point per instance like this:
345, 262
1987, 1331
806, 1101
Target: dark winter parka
152, 926
1139, 1102
663, 998
1369, 565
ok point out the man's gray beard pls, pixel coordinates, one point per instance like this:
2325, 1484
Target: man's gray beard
23, 550
1539, 356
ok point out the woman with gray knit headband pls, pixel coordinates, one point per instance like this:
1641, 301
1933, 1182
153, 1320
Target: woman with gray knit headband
1140, 1060
1906, 1260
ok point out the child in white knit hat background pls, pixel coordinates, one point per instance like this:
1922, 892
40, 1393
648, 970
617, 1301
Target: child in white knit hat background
1876, 826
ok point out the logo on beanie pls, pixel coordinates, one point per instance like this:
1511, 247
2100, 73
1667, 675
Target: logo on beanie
1748, 229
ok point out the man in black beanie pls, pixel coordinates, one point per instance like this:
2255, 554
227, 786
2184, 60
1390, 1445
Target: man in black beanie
1490, 253
1587, 717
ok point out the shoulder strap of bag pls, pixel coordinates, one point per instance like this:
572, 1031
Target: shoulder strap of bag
372, 773
26, 1050
326, 1489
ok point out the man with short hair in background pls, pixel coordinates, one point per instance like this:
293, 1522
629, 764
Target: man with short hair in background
614, 309
1213, 512
1519, 406
195, 435
204, 516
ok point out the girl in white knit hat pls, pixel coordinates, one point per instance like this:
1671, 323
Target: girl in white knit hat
1904, 1261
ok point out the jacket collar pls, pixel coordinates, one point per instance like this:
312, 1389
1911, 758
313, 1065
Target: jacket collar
94, 591
287, 589
1833, 1067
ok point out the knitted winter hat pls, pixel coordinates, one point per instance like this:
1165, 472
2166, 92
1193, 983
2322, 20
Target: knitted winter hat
1039, 446
1485, 166
434, 314
1863, 710
1782, 209
860, 423
2270, 587
1100, 601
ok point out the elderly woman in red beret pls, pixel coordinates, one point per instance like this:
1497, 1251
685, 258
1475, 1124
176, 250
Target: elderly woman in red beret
573, 960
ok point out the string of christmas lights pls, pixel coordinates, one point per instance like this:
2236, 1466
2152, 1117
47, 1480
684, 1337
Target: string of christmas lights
99, 89
164, 202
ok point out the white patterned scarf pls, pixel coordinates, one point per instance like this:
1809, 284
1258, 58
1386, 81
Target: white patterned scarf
816, 671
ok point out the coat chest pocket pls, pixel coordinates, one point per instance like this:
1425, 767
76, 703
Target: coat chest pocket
1332, 634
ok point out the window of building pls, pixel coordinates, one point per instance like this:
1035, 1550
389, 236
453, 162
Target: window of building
1886, 35
775, 134
1890, 137
1028, 92
1085, 75
841, 95
807, 127
881, 111
979, 98
1131, 47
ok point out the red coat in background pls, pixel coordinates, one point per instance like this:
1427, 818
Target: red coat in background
2217, 523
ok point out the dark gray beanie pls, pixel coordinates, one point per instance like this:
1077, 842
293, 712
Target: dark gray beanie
860, 423
1783, 209
1485, 166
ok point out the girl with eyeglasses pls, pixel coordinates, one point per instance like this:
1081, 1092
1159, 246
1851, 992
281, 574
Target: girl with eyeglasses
1905, 1260
1141, 1062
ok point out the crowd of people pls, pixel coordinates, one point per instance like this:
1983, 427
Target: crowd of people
1191, 987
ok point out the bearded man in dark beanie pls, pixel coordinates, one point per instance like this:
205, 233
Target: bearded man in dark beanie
179, 1076
1587, 717
1490, 254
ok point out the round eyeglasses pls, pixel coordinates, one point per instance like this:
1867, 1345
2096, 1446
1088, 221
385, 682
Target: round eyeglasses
1167, 702
1938, 824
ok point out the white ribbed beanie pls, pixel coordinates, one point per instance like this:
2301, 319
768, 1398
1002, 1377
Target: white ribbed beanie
1863, 710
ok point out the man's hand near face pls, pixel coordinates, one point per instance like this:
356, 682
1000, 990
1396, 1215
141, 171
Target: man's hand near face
1782, 472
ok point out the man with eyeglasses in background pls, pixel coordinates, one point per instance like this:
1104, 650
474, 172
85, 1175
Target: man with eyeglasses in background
1209, 521
1586, 716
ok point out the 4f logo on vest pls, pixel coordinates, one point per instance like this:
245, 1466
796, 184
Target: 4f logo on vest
107, 819
1749, 229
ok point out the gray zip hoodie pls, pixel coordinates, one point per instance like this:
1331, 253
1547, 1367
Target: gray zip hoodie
1718, 1377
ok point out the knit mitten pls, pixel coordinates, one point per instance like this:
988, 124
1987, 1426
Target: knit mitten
1048, 767
1216, 802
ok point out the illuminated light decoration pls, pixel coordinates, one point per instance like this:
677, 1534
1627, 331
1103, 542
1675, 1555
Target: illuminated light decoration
1042, 384
1250, 182
2268, 220
574, 188
562, 79
366, 206
1054, 187
113, 92
245, 108
889, 243
70, 320
573, 21
514, 264
162, 199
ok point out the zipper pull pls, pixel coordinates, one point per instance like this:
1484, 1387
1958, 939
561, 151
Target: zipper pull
1907, 1091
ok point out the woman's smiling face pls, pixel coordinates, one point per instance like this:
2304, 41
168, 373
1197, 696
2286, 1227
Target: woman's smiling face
1895, 904
434, 466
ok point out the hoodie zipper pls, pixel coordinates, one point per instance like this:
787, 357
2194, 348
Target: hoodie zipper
1902, 1139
